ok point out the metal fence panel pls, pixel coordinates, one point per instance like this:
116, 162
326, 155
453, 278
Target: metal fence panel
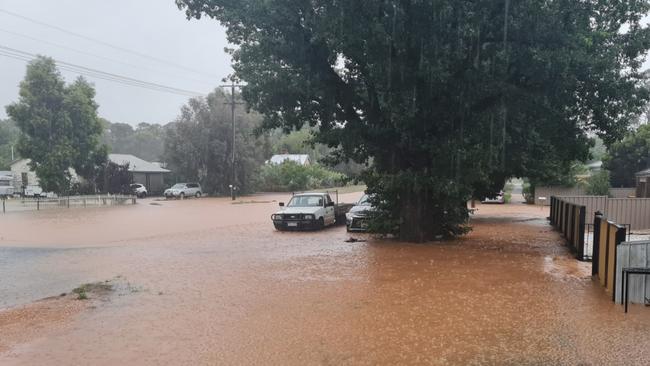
633, 211
622, 192
591, 203
633, 254
547, 192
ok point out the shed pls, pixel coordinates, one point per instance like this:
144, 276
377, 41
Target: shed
642, 186
143, 172
301, 159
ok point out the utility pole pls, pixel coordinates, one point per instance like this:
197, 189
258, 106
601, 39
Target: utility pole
233, 104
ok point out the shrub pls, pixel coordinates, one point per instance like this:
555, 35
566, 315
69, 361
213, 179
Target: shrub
291, 176
598, 184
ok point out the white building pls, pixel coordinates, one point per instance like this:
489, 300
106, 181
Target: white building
301, 159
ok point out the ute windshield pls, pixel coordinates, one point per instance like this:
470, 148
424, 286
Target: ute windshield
363, 201
178, 186
306, 201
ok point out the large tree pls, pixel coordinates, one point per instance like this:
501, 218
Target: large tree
198, 145
8, 139
448, 97
59, 126
629, 156
146, 141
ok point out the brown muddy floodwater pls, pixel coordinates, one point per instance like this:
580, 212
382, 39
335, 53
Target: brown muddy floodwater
211, 283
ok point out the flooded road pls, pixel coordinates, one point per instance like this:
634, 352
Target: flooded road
210, 282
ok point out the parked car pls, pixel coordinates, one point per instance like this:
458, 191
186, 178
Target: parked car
34, 191
497, 199
139, 190
309, 211
6, 187
357, 218
183, 190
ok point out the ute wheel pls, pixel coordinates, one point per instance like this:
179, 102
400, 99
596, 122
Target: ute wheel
198, 195
143, 195
320, 224
182, 195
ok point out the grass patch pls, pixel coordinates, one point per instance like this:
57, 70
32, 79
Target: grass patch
99, 288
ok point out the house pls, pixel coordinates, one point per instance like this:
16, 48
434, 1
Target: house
144, 172
149, 174
642, 186
300, 159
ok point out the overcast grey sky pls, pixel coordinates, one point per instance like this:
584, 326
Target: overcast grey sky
152, 27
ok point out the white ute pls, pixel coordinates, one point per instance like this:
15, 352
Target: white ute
306, 211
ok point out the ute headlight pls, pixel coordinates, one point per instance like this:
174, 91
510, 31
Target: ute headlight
348, 216
309, 217
274, 217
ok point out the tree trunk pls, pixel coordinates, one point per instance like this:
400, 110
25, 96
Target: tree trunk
417, 224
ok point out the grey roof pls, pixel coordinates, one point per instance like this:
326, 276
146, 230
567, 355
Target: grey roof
643, 172
301, 159
136, 164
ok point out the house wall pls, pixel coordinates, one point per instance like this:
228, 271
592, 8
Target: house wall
18, 169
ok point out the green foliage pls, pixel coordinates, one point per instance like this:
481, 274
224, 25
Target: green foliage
528, 191
448, 99
198, 145
598, 184
9, 134
59, 126
291, 176
114, 178
628, 157
146, 141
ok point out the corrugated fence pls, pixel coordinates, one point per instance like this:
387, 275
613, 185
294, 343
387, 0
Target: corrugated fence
632, 211
633, 254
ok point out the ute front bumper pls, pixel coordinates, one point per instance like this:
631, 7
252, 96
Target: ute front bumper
294, 221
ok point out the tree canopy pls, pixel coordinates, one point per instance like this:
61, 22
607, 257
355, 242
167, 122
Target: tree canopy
146, 141
448, 98
8, 138
59, 126
198, 145
628, 157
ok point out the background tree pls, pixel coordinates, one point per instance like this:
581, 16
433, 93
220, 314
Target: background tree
198, 145
448, 98
59, 126
598, 184
114, 178
146, 141
8, 138
629, 156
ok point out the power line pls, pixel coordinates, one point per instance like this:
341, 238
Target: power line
86, 71
98, 56
122, 49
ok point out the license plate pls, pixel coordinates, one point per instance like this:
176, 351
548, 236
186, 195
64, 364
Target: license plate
292, 224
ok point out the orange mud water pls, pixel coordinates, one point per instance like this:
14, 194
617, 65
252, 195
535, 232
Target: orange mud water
206, 282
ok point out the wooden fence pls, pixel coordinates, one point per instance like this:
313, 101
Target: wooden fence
607, 237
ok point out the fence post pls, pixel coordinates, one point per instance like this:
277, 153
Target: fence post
68, 201
595, 255
620, 237
552, 216
38, 203
3, 206
581, 233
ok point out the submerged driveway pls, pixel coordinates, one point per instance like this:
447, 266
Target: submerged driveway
209, 282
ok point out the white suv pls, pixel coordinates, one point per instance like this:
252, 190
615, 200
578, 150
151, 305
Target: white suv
183, 190
139, 190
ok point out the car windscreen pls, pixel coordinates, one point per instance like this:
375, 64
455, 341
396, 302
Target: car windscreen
363, 201
178, 186
306, 201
